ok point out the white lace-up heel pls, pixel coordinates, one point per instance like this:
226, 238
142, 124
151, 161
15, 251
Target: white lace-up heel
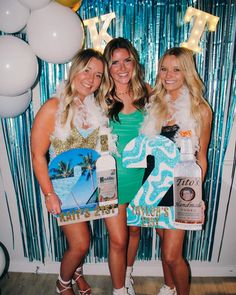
77, 275
62, 286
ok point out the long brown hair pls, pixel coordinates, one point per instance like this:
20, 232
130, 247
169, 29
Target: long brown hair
112, 103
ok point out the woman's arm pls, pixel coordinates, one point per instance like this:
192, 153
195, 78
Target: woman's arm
206, 115
43, 126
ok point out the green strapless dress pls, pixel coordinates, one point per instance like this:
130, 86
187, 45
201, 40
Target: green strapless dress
129, 179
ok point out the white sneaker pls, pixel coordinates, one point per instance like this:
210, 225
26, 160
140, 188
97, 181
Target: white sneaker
129, 285
122, 291
165, 290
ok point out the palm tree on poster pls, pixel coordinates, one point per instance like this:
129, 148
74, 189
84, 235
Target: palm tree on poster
64, 170
88, 166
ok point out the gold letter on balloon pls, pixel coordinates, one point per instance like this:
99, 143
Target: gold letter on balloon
98, 38
201, 19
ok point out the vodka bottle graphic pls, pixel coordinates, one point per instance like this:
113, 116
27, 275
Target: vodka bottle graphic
106, 175
188, 213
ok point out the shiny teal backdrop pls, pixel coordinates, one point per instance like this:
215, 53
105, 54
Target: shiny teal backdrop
152, 26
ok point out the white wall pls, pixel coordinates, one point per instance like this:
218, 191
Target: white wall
225, 236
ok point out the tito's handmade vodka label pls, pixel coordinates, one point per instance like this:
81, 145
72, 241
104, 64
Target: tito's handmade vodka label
188, 201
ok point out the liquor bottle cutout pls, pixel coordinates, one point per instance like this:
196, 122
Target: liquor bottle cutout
106, 175
188, 213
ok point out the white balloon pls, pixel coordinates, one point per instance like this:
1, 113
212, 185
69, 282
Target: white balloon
12, 106
13, 16
3, 261
55, 33
34, 4
18, 66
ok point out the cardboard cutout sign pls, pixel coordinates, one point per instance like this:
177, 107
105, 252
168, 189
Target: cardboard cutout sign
73, 174
148, 208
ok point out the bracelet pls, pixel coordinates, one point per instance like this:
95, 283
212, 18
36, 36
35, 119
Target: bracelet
48, 195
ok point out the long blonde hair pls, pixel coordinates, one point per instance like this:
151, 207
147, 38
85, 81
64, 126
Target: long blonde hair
192, 82
79, 63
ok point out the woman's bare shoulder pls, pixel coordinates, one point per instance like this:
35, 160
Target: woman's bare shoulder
205, 111
49, 107
46, 115
52, 103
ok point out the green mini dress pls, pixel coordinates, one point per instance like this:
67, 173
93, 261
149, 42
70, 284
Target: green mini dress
129, 179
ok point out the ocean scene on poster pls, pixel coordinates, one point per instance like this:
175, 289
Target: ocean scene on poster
73, 174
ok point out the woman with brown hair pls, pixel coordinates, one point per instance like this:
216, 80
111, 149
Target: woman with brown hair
124, 103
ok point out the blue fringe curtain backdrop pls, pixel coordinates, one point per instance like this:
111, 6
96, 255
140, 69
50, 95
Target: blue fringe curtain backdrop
152, 26
16, 134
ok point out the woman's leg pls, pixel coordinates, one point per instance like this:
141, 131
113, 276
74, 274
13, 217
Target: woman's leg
134, 237
168, 280
118, 241
78, 239
174, 266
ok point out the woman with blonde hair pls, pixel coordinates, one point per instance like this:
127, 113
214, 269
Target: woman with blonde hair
71, 119
177, 104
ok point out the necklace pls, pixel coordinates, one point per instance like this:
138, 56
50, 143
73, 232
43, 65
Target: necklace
123, 93
78, 102
82, 110
171, 110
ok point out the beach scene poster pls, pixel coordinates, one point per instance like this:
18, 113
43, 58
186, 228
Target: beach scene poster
74, 179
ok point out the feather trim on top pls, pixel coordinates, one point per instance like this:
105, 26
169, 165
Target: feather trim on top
181, 115
88, 113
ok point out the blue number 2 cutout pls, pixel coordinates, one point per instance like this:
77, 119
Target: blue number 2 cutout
143, 210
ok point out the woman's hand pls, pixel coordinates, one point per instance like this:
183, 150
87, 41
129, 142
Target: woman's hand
53, 203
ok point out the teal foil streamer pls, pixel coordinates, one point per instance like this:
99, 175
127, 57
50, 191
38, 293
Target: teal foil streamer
16, 134
152, 26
